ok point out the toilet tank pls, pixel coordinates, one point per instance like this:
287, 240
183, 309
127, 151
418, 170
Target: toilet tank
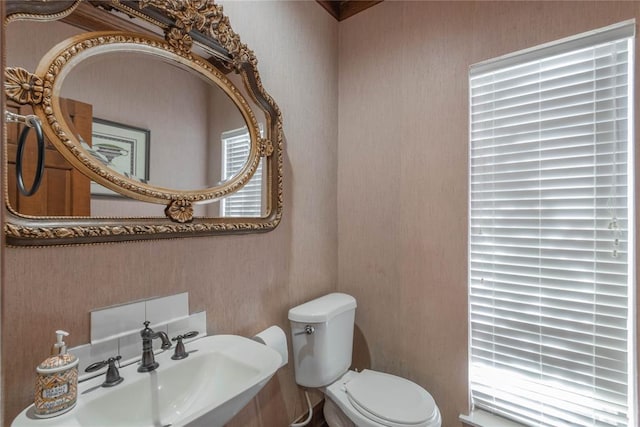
322, 356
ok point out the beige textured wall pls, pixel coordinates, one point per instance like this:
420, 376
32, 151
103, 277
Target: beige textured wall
402, 198
245, 283
402, 171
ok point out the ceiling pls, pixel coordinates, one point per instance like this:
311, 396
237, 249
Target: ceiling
342, 9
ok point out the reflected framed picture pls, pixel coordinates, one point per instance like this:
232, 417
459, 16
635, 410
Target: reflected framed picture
122, 148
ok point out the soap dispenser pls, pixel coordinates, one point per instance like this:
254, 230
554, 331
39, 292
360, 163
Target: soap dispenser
57, 381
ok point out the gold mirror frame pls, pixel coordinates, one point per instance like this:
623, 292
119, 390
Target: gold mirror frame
184, 23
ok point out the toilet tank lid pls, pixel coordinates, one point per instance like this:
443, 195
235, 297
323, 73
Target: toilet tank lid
322, 309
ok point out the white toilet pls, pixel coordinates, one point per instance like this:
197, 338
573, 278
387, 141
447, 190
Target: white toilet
322, 338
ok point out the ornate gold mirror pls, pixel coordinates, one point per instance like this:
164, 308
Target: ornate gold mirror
147, 137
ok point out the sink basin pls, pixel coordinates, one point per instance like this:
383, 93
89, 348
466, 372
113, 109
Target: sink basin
220, 376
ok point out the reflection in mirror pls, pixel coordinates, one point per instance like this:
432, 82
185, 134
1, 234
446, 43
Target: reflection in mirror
196, 138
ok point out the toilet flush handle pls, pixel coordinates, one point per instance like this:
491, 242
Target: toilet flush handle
308, 329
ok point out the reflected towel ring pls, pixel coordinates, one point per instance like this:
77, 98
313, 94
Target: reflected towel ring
30, 121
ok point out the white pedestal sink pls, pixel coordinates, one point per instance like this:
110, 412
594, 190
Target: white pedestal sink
220, 376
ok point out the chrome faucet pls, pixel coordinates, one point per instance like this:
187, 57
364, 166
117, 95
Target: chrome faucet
148, 360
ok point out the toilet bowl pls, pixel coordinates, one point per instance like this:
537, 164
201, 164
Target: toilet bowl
322, 340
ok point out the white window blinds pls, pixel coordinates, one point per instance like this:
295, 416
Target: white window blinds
246, 202
551, 272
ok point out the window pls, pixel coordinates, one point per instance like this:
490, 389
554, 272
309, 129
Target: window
551, 262
246, 202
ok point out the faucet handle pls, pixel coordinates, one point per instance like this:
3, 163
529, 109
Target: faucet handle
113, 376
180, 352
186, 336
146, 330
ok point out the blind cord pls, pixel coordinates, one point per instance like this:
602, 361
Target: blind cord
613, 224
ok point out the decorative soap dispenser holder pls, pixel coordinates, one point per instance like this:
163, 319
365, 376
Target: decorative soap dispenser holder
57, 381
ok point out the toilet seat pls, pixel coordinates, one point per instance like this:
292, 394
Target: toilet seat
371, 398
407, 405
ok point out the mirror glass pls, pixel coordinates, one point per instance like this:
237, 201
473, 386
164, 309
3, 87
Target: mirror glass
149, 120
117, 83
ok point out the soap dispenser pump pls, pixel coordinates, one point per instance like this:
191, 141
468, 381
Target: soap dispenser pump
57, 381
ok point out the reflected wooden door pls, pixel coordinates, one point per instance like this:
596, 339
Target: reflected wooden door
64, 191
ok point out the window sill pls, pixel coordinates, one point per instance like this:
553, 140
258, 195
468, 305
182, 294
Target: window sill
480, 418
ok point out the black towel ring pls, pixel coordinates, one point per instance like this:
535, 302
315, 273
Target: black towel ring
31, 121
